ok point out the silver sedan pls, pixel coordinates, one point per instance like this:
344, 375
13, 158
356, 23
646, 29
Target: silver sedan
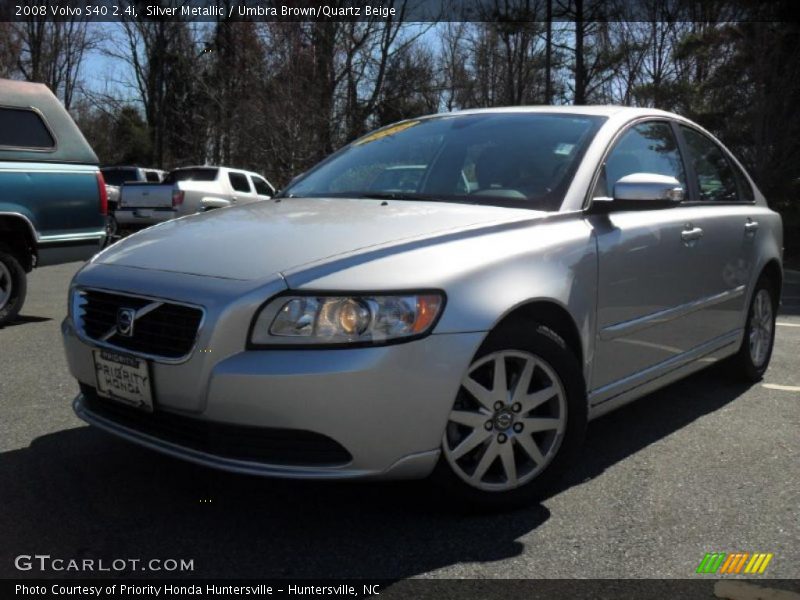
452, 296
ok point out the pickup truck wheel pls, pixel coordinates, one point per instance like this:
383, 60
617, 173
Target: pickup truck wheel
112, 227
13, 286
517, 422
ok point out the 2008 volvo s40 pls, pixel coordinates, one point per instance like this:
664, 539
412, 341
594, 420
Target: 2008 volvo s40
453, 296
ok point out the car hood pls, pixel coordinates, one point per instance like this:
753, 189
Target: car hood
260, 240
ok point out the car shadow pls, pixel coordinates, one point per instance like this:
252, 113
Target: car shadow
80, 493
624, 432
24, 320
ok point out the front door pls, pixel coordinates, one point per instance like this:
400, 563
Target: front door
651, 268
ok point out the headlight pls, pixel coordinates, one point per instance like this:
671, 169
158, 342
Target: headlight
362, 319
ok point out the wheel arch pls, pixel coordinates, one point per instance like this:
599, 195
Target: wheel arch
774, 272
550, 314
20, 238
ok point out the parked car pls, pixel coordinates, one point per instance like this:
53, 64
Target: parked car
52, 195
116, 176
189, 190
342, 331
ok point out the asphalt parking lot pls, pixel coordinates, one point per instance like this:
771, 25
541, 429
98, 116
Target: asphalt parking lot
705, 465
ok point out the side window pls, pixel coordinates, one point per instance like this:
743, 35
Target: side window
24, 128
645, 148
716, 179
745, 189
262, 189
239, 182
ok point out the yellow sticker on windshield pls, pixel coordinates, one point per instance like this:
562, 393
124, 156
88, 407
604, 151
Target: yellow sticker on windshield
382, 133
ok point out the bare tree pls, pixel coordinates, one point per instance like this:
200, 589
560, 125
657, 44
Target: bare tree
9, 49
53, 53
157, 53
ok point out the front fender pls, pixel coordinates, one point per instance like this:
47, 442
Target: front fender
486, 274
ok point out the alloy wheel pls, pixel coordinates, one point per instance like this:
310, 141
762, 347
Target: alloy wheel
508, 421
761, 326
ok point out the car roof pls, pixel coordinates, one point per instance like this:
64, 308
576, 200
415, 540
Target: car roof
220, 167
601, 110
71, 145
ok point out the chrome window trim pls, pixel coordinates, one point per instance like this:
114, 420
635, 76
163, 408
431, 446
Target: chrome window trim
75, 291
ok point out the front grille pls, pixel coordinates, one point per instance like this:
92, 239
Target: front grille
288, 447
170, 330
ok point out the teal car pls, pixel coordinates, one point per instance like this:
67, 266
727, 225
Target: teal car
53, 200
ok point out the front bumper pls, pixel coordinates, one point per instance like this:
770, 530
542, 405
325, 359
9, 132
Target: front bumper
387, 407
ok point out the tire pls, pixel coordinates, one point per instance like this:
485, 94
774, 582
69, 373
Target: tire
13, 286
487, 459
112, 227
752, 359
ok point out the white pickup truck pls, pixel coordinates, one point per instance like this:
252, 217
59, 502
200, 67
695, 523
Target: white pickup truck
186, 191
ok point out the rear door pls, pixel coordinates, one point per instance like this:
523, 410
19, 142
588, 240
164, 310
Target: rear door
650, 271
724, 197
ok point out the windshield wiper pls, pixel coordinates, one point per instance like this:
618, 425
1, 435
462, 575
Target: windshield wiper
377, 195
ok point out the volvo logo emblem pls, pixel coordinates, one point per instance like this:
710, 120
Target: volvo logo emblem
125, 319
503, 420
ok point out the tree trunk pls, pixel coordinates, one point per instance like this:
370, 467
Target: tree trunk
580, 68
548, 55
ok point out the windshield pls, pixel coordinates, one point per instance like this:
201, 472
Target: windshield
509, 159
190, 175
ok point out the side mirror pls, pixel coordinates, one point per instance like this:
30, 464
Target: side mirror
648, 187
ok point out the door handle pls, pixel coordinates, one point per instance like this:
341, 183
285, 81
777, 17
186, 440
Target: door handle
691, 235
750, 227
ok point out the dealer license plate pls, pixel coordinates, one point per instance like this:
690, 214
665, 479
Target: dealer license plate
123, 378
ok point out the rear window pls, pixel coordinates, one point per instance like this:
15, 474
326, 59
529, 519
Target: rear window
24, 128
191, 175
152, 177
119, 176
